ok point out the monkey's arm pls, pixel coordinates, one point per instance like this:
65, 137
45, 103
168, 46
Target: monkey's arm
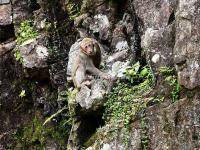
95, 71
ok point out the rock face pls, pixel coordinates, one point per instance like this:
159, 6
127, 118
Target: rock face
34, 55
186, 49
37, 87
175, 126
159, 33
6, 14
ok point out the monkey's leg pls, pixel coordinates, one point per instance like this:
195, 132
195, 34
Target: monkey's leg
80, 76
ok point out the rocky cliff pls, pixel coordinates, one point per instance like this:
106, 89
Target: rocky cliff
150, 47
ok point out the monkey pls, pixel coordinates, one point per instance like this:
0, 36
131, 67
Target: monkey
88, 61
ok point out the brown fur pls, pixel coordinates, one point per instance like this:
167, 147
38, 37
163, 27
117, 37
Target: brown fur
88, 60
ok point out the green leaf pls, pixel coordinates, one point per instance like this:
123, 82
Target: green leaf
22, 94
144, 72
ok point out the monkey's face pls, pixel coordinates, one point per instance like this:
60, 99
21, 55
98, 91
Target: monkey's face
88, 48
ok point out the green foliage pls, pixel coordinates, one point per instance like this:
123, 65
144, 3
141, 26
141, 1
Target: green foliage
126, 98
132, 74
166, 70
26, 31
136, 75
73, 10
54, 115
36, 132
171, 79
22, 93
18, 56
176, 88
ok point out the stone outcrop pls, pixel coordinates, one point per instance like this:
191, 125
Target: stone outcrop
156, 33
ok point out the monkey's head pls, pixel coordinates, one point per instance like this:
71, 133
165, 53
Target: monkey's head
88, 46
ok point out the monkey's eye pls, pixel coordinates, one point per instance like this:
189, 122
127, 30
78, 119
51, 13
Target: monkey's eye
86, 47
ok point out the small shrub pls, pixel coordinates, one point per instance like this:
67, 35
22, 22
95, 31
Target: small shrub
22, 93
169, 74
18, 56
126, 100
73, 10
176, 88
166, 70
26, 31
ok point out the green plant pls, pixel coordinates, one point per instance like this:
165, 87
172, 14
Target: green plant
169, 74
54, 115
132, 74
26, 31
35, 132
126, 100
176, 88
73, 10
137, 74
166, 70
22, 93
18, 56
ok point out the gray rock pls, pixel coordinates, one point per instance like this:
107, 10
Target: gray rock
92, 98
113, 146
159, 50
21, 12
40, 21
106, 147
90, 148
78, 20
121, 45
186, 49
4, 48
158, 15
119, 68
119, 56
101, 25
83, 97
6, 14
4, 2
135, 142
171, 125
34, 54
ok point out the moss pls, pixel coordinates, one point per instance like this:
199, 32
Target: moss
176, 88
73, 9
124, 103
18, 56
36, 134
171, 79
166, 71
26, 31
